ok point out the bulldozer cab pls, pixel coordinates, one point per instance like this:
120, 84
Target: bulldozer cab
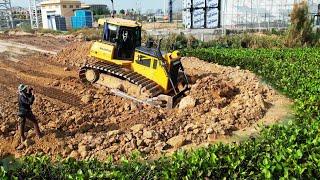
125, 36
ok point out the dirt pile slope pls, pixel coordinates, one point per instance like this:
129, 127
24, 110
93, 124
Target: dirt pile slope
74, 54
81, 121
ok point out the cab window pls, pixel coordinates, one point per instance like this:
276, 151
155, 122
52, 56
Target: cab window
110, 33
155, 64
142, 60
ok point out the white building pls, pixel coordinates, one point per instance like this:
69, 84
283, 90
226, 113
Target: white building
63, 8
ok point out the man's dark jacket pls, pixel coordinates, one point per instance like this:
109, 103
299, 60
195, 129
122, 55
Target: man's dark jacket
25, 101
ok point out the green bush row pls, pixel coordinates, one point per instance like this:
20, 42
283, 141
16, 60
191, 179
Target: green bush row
281, 151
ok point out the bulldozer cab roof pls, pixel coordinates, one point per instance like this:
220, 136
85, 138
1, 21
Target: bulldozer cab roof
122, 22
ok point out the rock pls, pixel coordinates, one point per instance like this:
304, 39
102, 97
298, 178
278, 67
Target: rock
126, 107
140, 142
148, 141
86, 98
113, 140
176, 141
161, 146
4, 128
55, 83
28, 142
189, 127
136, 128
187, 102
209, 131
196, 131
112, 149
133, 144
66, 151
146, 150
66, 69
129, 136
83, 150
148, 134
133, 106
113, 133
74, 154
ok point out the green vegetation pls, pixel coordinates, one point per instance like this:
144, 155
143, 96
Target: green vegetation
290, 150
300, 32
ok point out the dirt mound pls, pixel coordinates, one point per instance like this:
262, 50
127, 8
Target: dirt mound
83, 121
74, 54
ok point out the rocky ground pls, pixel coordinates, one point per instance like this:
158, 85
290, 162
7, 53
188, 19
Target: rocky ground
80, 121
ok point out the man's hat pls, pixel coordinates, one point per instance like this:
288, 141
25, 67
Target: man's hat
22, 87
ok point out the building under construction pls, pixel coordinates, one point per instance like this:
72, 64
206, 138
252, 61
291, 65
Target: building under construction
5, 14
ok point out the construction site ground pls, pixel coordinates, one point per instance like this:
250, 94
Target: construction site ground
224, 104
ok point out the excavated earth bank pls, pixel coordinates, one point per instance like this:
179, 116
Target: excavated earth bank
82, 122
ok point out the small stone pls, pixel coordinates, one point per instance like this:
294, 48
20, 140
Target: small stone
176, 141
74, 154
209, 131
56, 83
66, 69
196, 131
189, 127
129, 136
148, 134
4, 129
187, 102
161, 146
148, 141
133, 144
136, 128
140, 142
133, 106
113, 133
28, 142
86, 98
113, 149
146, 150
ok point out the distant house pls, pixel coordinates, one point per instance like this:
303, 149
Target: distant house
58, 8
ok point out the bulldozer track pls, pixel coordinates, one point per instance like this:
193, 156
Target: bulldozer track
144, 83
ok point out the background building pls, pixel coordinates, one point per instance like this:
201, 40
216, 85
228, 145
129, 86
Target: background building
56, 8
245, 14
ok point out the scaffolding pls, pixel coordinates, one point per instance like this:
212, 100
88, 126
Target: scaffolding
6, 21
35, 13
256, 14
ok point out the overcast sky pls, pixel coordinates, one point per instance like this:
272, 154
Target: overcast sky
119, 4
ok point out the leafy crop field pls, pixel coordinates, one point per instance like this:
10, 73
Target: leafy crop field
291, 150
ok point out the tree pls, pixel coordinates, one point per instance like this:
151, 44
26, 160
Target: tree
122, 11
101, 11
300, 31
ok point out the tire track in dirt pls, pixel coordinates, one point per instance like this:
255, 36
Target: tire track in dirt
26, 69
10, 80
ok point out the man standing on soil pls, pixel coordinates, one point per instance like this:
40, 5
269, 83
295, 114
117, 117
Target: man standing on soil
26, 99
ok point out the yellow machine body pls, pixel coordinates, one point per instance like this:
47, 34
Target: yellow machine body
145, 74
148, 66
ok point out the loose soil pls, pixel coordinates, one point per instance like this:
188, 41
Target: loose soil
84, 121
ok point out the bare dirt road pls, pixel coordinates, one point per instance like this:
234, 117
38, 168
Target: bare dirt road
82, 122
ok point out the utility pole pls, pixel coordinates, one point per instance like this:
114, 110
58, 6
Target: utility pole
6, 21
170, 11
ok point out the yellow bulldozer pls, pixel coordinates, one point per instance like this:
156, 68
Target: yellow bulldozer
141, 73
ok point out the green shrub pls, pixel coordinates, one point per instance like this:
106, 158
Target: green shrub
26, 27
300, 31
49, 31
